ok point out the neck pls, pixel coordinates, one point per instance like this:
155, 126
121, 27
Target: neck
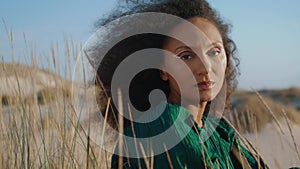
197, 110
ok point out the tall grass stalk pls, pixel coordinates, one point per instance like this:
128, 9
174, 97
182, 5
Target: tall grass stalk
121, 127
10, 35
269, 110
291, 133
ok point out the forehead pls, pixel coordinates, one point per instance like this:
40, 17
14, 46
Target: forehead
201, 33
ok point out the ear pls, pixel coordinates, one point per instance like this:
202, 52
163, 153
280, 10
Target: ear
164, 75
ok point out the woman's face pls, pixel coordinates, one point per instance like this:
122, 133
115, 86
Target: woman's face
197, 70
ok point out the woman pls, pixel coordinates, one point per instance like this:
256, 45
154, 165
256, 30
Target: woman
196, 64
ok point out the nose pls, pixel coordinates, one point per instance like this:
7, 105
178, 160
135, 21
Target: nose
202, 66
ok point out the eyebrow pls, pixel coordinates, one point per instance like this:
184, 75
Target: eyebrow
182, 47
193, 47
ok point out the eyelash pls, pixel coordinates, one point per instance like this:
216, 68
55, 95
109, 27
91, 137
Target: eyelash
215, 51
184, 54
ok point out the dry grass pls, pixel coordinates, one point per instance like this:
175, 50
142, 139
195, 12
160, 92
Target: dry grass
248, 106
41, 124
46, 129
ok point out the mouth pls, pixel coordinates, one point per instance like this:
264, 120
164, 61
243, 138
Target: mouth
205, 85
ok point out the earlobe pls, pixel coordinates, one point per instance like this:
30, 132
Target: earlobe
164, 75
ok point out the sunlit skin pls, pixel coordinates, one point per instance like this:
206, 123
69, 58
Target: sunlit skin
205, 58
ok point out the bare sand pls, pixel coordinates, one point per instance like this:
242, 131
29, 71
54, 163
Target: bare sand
276, 148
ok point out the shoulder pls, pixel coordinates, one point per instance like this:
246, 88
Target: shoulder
226, 127
156, 120
223, 128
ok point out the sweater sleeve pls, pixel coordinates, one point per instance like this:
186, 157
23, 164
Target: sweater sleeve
242, 157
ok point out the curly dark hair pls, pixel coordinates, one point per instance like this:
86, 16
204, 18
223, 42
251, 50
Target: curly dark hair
145, 81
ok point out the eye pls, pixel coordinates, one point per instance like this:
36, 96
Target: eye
215, 51
185, 55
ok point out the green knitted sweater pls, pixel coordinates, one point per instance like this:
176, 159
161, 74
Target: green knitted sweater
216, 145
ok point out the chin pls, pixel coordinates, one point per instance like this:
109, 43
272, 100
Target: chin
205, 99
206, 96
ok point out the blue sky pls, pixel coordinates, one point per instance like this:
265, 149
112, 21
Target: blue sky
267, 33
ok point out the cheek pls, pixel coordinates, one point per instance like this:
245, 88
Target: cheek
173, 66
221, 64
224, 63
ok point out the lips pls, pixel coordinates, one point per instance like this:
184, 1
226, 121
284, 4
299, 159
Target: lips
205, 85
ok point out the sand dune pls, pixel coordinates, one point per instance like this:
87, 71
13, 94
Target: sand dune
19, 79
278, 149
